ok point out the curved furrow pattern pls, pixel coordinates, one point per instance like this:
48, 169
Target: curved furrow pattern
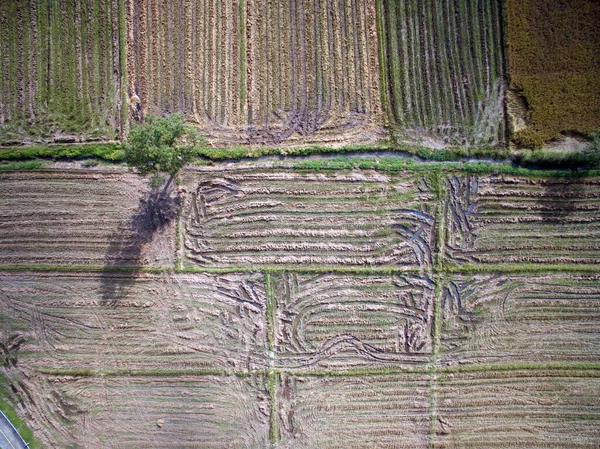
343, 321
241, 218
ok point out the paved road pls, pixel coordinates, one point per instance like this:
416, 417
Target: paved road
9, 437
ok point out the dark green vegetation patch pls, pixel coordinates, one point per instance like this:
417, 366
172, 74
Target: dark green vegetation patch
554, 65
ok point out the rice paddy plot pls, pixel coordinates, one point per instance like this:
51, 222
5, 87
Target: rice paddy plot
520, 319
504, 219
116, 321
255, 218
443, 70
339, 322
358, 412
151, 411
504, 409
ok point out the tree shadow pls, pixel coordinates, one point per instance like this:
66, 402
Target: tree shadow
122, 261
558, 202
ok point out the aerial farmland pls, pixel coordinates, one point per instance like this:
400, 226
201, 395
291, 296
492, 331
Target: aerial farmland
387, 234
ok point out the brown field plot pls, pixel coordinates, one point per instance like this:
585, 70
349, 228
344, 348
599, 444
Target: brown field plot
282, 218
509, 319
353, 309
505, 219
111, 321
149, 411
386, 411
519, 408
78, 218
340, 322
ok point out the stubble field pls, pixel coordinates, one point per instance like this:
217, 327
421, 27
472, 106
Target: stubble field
293, 309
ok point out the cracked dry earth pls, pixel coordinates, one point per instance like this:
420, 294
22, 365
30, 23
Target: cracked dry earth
353, 309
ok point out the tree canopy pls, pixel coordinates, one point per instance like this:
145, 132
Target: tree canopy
161, 145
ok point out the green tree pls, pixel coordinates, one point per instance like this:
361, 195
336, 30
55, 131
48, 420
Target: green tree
161, 145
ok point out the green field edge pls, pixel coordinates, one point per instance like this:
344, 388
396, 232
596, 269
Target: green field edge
396, 157
16, 420
273, 374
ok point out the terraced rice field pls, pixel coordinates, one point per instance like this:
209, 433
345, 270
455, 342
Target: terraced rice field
61, 70
303, 310
444, 69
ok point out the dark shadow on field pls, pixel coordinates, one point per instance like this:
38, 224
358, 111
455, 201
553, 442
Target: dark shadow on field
122, 261
558, 201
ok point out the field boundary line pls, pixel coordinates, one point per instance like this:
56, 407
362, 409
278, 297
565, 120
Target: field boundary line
452, 269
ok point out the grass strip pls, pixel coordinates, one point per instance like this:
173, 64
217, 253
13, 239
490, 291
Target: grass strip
272, 375
18, 423
21, 165
429, 369
475, 158
396, 164
110, 152
526, 268
445, 268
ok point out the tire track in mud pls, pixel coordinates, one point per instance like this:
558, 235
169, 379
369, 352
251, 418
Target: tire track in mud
495, 220
239, 218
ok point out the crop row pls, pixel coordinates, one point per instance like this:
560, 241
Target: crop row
444, 69
248, 71
61, 72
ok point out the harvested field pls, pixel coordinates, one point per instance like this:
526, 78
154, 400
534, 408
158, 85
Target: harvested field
523, 319
120, 321
78, 218
253, 218
443, 70
341, 322
61, 70
377, 411
353, 309
260, 72
149, 411
507, 409
504, 219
